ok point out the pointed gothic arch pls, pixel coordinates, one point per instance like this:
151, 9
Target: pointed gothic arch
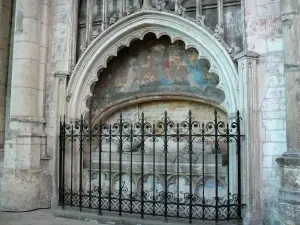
136, 26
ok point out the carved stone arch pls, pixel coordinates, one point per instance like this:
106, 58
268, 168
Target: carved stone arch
135, 26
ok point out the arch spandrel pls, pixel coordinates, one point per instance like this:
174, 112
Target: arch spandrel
136, 26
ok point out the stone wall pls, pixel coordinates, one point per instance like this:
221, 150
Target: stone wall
25, 183
5, 25
264, 35
233, 26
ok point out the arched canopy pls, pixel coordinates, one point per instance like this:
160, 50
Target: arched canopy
136, 26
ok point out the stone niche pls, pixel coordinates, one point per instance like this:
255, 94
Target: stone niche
154, 68
154, 76
203, 164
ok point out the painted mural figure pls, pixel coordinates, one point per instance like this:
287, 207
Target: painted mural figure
174, 64
159, 66
196, 71
131, 75
164, 78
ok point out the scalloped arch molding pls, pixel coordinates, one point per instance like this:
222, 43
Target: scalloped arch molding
136, 26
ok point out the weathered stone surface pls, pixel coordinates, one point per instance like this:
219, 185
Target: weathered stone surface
5, 23
264, 35
25, 143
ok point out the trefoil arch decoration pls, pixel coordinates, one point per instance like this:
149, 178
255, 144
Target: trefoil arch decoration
136, 26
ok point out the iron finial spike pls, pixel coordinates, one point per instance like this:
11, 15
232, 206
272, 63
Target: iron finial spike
166, 114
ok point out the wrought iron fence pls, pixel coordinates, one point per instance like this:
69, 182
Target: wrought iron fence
184, 170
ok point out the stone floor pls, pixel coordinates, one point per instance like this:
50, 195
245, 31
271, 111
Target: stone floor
45, 217
39, 217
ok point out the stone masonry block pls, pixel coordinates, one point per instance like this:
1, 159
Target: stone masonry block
276, 135
274, 148
274, 124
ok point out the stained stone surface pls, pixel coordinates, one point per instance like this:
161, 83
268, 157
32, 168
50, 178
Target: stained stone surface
24, 180
264, 35
5, 23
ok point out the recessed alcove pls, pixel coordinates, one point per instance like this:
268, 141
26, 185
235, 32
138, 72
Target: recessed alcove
154, 70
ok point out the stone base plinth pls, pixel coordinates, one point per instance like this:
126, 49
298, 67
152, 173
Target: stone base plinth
289, 193
289, 206
20, 190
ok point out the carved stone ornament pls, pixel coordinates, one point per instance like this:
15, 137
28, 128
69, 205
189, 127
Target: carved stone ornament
200, 19
219, 32
27, 119
129, 11
68, 97
96, 32
113, 19
233, 50
83, 47
159, 23
181, 10
161, 5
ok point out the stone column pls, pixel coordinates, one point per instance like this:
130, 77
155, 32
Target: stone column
89, 22
104, 15
5, 25
220, 13
22, 186
249, 108
123, 8
289, 193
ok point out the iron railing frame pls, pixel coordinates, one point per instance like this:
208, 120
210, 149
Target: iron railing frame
228, 132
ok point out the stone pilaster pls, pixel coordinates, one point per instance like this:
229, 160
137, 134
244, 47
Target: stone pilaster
289, 193
60, 99
5, 25
249, 107
23, 185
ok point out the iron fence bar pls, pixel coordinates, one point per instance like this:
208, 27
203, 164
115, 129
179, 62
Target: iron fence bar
178, 139
228, 175
72, 159
63, 162
131, 160
100, 171
239, 165
142, 166
153, 185
166, 165
216, 165
120, 164
170, 135
80, 163
109, 184
190, 167
203, 172
61, 136
166, 207
90, 169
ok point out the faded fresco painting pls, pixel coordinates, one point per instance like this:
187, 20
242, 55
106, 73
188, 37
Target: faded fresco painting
155, 66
